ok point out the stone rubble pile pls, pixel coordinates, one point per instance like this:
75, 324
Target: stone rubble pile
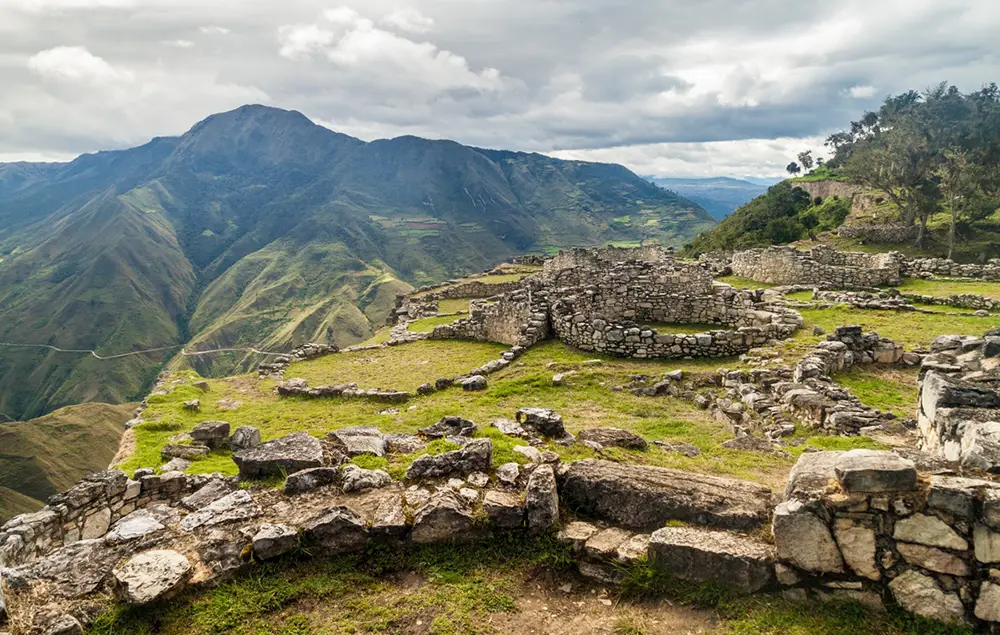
277, 366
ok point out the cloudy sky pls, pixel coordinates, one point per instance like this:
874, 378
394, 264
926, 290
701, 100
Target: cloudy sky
668, 87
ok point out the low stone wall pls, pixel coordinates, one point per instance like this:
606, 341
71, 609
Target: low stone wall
517, 318
823, 189
87, 511
942, 267
822, 265
890, 234
608, 320
863, 526
961, 301
959, 417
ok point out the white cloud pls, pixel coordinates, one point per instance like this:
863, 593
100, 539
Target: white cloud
215, 30
408, 19
76, 64
862, 92
41, 6
181, 44
301, 41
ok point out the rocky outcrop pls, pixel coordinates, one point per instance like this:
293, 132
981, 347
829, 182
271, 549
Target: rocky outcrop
152, 576
475, 456
280, 457
736, 561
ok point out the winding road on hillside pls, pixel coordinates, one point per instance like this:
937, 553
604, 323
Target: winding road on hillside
143, 352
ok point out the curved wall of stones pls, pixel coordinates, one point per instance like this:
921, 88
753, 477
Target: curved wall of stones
518, 318
820, 266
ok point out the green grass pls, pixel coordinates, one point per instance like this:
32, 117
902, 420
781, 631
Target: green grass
426, 325
744, 283
453, 305
892, 389
945, 288
800, 296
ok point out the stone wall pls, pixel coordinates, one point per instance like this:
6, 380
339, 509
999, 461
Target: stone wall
942, 267
959, 416
883, 233
518, 318
821, 266
87, 511
823, 189
863, 526
601, 257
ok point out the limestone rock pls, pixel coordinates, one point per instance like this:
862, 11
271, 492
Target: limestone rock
96, 524
310, 479
175, 465
192, 406
933, 559
337, 530
541, 500
287, 455
510, 428
476, 382
605, 543
920, 594
390, 518
189, 452
151, 576
272, 541
64, 625
356, 479
508, 474
358, 441
613, 437
701, 555
986, 544
645, 498
531, 453
208, 494
444, 518
238, 505
450, 426
504, 510
404, 443
476, 456
212, 434
988, 604
543, 421
804, 540
138, 524
858, 547
874, 471
929, 530
244, 437
576, 534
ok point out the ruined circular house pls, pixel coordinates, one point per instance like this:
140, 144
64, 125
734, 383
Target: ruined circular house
604, 300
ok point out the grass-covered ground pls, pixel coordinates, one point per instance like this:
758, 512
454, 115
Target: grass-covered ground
892, 389
453, 305
945, 288
744, 283
507, 584
426, 325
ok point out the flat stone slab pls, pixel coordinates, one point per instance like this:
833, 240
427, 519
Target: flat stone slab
151, 576
476, 456
138, 524
450, 426
645, 498
700, 555
236, 506
613, 438
874, 471
444, 518
272, 541
289, 454
358, 441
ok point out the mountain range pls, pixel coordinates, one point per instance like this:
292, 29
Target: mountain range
720, 196
259, 228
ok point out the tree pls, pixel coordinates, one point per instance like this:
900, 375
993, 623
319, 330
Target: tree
806, 159
793, 168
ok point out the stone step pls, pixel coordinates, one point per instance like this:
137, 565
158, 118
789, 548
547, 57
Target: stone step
738, 562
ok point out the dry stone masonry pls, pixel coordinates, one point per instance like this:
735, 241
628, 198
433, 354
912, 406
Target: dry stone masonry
819, 266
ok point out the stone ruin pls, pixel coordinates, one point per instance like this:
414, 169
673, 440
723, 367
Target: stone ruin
959, 412
822, 266
594, 302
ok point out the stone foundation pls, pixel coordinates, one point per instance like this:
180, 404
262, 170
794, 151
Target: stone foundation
820, 265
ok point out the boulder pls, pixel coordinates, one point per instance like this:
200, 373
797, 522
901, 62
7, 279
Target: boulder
541, 500
450, 426
804, 540
175, 465
613, 437
389, 520
873, 471
476, 456
238, 505
280, 457
444, 518
208, 494
404, 443
476, 382
151, 576
644, 498
542, 421
308, 480
529, 452
508, 474
64, 625
700, 555
337, 530
355, 479
510, 428
138, 524
272, 541
504, 510
358, 441
244, 437
920, 594
213, 434
192, 406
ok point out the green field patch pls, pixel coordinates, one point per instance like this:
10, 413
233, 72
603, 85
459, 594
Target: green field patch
744, 283
453, 305
889, 388
945, 288
426, 325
